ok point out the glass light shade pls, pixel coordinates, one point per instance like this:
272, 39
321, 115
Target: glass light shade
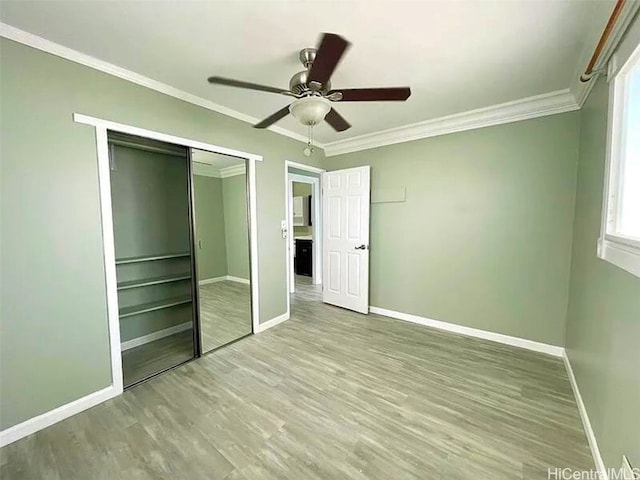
310, 110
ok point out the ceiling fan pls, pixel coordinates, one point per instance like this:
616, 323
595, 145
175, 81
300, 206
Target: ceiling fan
312, 88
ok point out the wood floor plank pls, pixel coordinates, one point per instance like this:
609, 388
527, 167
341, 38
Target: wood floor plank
145, 360
329, 394
225, 313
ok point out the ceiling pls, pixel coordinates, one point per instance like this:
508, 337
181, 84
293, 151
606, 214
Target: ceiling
456, 55
213, 163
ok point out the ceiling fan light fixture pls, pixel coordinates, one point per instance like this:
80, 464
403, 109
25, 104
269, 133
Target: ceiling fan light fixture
310, 110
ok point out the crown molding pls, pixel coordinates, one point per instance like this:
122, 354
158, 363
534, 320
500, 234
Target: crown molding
526, 108
39, 43
550, 103
208, 170
581, 91
232, 171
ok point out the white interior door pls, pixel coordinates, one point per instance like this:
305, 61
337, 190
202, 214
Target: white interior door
345, 211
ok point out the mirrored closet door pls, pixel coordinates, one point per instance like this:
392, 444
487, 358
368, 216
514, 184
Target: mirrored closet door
222, 248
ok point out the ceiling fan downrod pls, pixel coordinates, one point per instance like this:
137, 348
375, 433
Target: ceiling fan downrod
307, 56
309, 149
300, 84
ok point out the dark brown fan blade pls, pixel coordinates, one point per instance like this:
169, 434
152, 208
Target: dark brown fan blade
273, 118
374, 94
240, 84
330, 51
338, 123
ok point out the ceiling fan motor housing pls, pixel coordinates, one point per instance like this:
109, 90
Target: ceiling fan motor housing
298, 83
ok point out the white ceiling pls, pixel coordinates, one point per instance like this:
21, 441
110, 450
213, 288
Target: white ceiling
213, 163
455, 55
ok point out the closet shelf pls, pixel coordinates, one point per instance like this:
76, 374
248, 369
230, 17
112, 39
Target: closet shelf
145, 282
149, 258
152, 306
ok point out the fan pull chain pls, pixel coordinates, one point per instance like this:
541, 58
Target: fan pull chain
309, 150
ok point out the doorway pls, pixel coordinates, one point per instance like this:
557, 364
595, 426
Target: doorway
304, 226
328, 227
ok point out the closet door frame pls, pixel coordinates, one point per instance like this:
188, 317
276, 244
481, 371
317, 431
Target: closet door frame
104, 179
195, 305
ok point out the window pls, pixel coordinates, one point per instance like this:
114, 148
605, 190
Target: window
620, 238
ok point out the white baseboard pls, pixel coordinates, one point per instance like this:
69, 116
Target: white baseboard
136, 342
272, 323
238, 279
229, 278
46, 419
586, 423
212, 280
472, 332
516, 342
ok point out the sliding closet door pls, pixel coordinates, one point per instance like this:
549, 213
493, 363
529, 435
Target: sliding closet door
222, 252
150, 192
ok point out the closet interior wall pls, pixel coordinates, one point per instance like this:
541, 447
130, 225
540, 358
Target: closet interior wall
152, 221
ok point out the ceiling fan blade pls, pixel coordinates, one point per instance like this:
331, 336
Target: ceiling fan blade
240, 84
270, 120
330, 51
373, 94
338, 123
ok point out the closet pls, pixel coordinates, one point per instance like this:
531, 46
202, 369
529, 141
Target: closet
155, 264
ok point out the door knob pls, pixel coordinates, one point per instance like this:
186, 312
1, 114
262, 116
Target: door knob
362, 247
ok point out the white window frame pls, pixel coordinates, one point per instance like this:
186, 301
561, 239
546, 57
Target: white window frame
624, 252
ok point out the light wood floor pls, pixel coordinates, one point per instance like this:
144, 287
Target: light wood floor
329, 394
225, 313
225, 316
141, 362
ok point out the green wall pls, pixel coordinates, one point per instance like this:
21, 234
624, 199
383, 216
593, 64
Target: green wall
234, 192
222, 226
55, 347
484, 236
306, 173
210, 233
150, 202
149, 193
603, 325
301, 189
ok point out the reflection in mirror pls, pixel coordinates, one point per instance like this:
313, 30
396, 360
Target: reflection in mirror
222, 247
